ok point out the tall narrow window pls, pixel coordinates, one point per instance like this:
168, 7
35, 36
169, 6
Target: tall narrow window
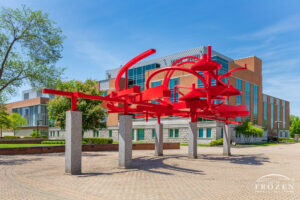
239, 97
255, 102
272, 111
132, 134
265, 99
140, 134
110, 133
200, 132
173, 82
153, 133
283, 114
247, 97
208, 132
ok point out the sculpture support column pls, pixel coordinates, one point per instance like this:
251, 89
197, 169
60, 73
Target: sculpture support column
73, 142
192, 134
159, 143
125, 141
226, 140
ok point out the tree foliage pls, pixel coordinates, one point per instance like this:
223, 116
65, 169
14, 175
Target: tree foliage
31, 44
16, 121
295, 126
293, 118
4, 119
92, 113
248, 131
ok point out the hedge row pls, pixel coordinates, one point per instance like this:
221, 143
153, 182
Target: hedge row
11, 137
84, 141
98, 140
57, 142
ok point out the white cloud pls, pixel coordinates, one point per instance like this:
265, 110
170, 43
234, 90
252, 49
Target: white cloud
284, 86
289, 24
95, 54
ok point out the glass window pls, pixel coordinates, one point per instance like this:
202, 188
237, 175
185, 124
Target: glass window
132, 134
96, 133
57, 133
272, 112
222, 133
208, 132
173, 82
283, 114
255, 103
110, 133
247, 97
170, 133
200, 132
265, 113
26, 96
140, 134
176, 133
153, 133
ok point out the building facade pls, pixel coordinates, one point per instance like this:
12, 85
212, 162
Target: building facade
33, 107
264, 110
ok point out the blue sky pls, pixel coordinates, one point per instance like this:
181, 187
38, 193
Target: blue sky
105, 34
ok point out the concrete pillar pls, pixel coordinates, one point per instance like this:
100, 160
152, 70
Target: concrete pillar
125, 141
73, 142
192, 135
159, 143
296, 137
226, 140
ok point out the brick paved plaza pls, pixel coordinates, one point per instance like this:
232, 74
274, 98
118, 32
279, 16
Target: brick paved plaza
173, 176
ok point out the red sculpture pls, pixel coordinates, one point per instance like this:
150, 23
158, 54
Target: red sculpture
197, 103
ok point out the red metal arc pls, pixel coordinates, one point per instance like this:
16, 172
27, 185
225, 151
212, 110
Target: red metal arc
205, 102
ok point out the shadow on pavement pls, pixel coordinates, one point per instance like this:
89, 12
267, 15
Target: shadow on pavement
17, 161
150, 164
257, 159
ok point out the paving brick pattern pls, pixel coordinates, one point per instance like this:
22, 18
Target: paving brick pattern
173, 176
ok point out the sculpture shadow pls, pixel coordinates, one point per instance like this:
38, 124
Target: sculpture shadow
152, 165
255, 159
18, 161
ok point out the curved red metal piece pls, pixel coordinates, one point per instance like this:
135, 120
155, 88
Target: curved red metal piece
133, 61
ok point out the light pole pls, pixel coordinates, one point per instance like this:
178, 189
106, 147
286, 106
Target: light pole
278, 122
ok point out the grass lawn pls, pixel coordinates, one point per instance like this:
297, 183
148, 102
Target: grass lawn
26, 145
258, 144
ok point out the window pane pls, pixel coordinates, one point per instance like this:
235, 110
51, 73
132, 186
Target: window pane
170, 132
176, 132
153, 133
208, 132
200, 132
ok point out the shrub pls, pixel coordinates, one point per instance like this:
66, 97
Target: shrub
98, 140
35, 134
44, 136
216, 142
56, 142
11, 137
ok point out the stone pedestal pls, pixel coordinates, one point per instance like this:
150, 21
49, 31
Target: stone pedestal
226, 140
159, 139
192, 140
296, 137
125, 141
73, 142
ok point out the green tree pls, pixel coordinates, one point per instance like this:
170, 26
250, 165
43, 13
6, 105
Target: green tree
295, 127
293, 118
4, 119
31, 44
16, 121
248, 131
92, 113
